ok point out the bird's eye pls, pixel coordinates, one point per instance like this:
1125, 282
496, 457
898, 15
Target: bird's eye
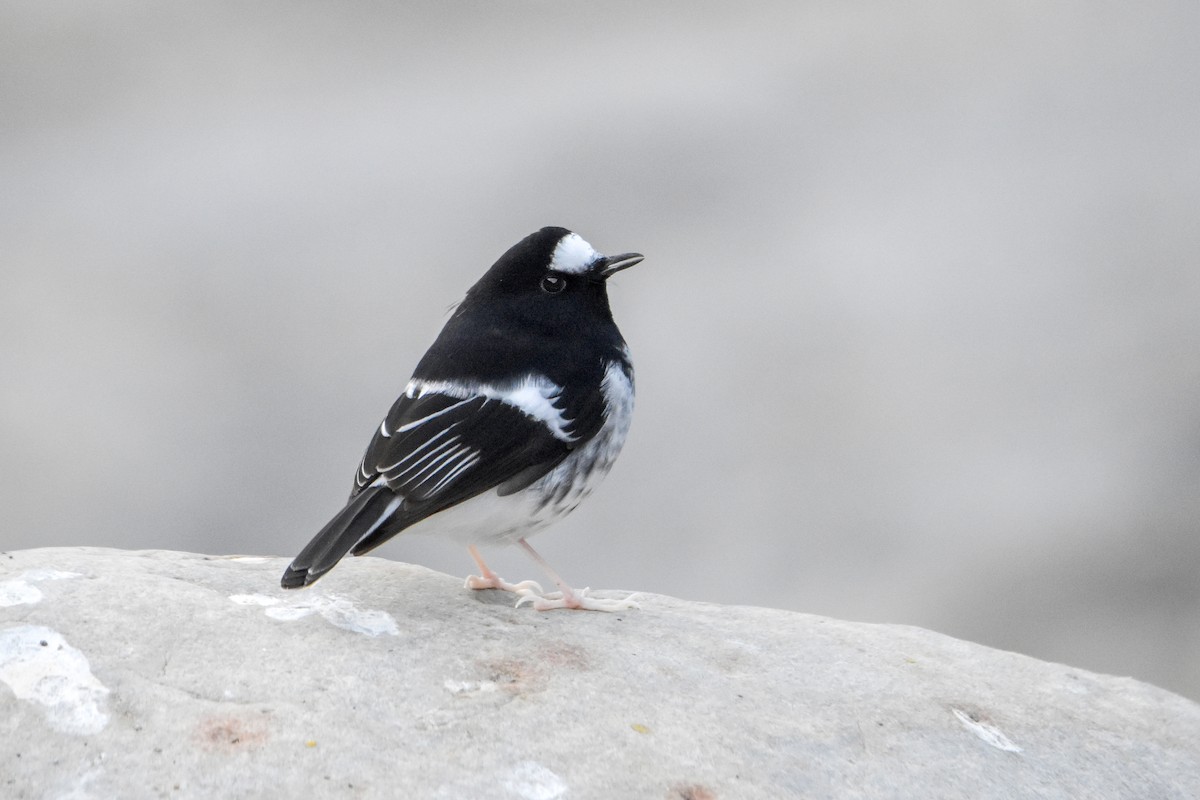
553, 284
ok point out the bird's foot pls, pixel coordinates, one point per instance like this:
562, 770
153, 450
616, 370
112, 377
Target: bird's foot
574, 599
490, 580
494, 581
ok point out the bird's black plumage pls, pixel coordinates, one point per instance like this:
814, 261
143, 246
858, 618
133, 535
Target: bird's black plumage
518, 388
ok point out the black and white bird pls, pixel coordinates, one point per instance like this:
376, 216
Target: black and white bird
512, 417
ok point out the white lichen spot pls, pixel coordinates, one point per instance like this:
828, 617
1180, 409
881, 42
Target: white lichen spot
21, 591
49, 575
39, 666
1076, 684
335, 610
469, 687
18, 592
81, 788
254, 599
529, 780
988, 733
289, 613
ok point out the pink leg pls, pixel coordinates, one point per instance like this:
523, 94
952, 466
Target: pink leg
486, 579
566, 597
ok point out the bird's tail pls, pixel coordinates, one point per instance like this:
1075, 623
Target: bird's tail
363, 515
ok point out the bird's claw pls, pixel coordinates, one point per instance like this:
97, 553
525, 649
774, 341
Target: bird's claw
578, 600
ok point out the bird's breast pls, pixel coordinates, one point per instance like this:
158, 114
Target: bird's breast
565, 486
492, 518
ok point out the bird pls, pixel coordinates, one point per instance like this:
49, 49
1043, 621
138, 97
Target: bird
511, 418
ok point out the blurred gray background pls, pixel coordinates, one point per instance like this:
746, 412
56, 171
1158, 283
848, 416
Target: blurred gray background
917, 333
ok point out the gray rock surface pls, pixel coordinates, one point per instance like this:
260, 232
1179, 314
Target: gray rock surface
165, 674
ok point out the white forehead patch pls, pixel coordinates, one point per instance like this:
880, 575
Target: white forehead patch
573, 255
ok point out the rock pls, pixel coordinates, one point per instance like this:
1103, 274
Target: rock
165, 674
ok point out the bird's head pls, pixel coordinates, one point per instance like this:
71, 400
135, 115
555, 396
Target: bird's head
552, 277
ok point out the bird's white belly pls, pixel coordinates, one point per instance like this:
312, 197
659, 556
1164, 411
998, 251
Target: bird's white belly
486, 518
490, 518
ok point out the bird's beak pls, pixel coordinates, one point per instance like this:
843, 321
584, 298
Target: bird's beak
610, 265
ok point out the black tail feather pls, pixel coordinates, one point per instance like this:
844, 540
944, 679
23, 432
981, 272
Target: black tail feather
363, 516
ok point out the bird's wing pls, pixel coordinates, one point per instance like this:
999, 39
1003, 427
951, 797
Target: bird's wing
435, 450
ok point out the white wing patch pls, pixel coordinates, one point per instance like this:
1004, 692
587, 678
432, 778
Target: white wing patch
533, 395
573, 255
